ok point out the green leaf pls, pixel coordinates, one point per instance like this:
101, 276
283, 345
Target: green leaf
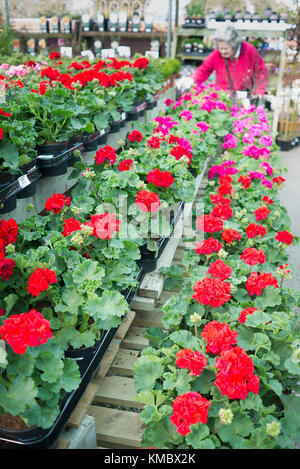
241, 426
147, 370
198, 433
71, 378
180, 380
257, 319
20, 395
107, 309
185, 339
10, 301
270, 296
292, 366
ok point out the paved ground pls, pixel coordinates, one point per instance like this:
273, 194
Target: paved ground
290, 198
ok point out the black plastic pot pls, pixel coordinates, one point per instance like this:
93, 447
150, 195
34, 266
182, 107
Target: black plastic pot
285, 145
115, 127
103, 137
83, 356
75, 140
90, 141
52, 148
8, 199
54, 166
130, 292
28, 179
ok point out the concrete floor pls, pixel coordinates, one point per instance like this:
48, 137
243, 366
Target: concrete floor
290, 198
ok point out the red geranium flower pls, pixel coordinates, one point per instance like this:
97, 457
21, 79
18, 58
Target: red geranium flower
208, 246
54, 55
70, 225
189, 408
180, 151
252, 256
106, 153
51, 73
147, 201
141, 62
125, 165
40, 280
209, 223
56, 202
6, 114
267, 201
135, 136
235, 377
284, 237
25, 330
245, 181
223, 211
212, 291
257, 282
254, 229
219, 199
160, 178
225, 189
219, 270
230, 235
105, 225
245, 312
193, 361
6, 267
278, 180
153, 142
8, 231
261, 213
218, 337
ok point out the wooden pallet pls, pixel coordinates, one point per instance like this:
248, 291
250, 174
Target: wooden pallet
109, 397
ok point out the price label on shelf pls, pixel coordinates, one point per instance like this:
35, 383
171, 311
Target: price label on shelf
23, 181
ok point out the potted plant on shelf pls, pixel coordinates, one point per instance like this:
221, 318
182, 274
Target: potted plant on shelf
194, 15
288, 126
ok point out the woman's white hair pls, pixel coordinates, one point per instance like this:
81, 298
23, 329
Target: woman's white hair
229, 34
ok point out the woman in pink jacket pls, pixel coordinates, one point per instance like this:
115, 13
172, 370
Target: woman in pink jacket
237, 64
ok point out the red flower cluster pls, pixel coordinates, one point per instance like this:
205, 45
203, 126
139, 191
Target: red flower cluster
278, 180
189, 408
284, 237
223, 211
254, 229
125, 165
180, 151
209, 223
70, 225
104, 225
218, 337
141, 63
220, 270
40, 280
160, 178
261, 213
153, 142
42, 88
51, 73
135, 136
6, 267
245, 312
106, 153
208, 246
229, 235
54, 55
147, 201
235, 377
219, 199
257, 282
252, 256
56, 202
212, 291
193, 361
25, 330
8, 231
267, 201
245, 181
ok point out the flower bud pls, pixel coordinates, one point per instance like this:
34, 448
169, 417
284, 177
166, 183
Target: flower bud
195, 318
273, 429
225, 416
10, 249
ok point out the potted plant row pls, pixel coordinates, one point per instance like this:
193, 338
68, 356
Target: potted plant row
223, 369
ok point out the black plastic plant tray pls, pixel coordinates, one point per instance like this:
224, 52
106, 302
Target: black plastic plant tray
130, 292
39, 438
19, 184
